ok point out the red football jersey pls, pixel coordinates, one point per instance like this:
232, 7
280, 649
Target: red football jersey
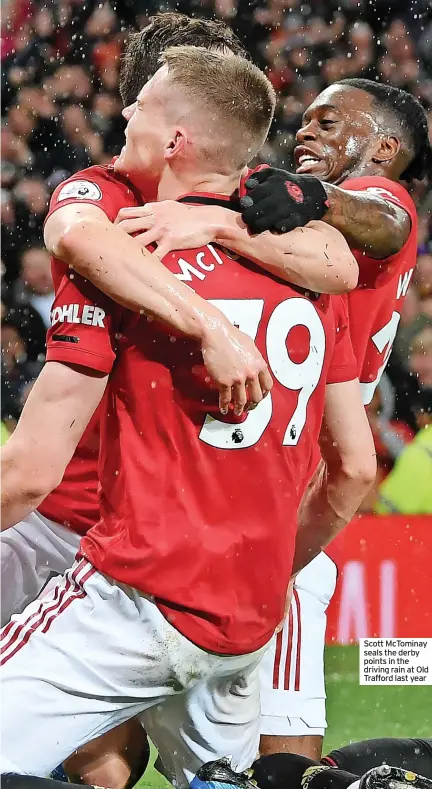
375, 305
74, 503
199, 510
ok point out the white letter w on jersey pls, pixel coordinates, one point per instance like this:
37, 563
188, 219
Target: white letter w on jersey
403, 284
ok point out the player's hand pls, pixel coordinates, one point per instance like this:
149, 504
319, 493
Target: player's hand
281, 201
235, 364
170, 225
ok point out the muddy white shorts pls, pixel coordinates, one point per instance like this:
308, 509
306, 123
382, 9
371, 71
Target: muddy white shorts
92, 653
31, 553
292, 670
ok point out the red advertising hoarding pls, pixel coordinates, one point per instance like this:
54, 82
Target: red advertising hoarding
385, 582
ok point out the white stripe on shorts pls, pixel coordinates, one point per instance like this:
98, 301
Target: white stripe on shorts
286, 668
42, 613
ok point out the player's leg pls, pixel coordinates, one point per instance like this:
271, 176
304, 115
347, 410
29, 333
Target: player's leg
62, 683
217, 717
118, 759
359, 757
292, 671
82, 660
291, 771
32, 552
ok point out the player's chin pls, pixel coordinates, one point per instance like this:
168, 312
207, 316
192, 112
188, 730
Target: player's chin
125, 157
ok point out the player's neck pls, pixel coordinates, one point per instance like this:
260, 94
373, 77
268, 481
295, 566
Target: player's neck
368, 169
174, 185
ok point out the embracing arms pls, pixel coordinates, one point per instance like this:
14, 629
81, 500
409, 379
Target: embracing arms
367, 221
315, 257
367, 214
84, 238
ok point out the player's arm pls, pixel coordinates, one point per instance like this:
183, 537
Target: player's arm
53, 420
84, 238
315, 257
344, 477
369, 222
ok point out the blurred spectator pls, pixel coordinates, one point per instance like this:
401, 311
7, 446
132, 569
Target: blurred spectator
4, 433
36, 285
17, 369
420, 361
408, 488
390, 435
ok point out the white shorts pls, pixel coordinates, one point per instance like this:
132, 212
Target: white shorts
31, 553
292, 670
91, 654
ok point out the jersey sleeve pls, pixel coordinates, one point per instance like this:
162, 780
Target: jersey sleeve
84, 325
94, 186
343, 365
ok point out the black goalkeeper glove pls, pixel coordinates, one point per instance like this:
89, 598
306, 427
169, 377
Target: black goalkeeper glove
280, 201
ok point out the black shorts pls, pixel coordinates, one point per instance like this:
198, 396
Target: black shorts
359, 757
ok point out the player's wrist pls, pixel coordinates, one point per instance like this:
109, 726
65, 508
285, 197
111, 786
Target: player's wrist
223, 224
213, 325
230, 233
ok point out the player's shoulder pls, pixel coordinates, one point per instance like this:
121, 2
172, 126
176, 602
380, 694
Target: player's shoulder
99, 185
389, 190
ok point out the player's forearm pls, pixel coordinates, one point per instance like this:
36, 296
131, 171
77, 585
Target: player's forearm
330, 502
53, 420
22, 490
135, 278
368, 223
305, 257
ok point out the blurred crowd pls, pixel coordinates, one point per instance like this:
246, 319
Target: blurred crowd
61, 112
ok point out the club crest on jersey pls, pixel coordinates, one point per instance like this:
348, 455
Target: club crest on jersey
81, 190
87, 314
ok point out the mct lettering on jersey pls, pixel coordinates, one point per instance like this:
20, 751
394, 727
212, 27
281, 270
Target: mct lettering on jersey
204, 262
87, 314
403, 283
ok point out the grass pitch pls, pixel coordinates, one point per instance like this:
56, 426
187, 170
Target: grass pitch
357, 713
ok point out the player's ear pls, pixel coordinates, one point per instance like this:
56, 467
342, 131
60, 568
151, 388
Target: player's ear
176, 145
387, 149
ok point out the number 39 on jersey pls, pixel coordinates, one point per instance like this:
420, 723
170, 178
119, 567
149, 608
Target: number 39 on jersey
302, 378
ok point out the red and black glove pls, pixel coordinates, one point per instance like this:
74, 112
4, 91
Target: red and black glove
280, 201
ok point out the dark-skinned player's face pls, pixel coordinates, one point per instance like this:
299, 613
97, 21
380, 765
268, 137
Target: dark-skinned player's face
340, 133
